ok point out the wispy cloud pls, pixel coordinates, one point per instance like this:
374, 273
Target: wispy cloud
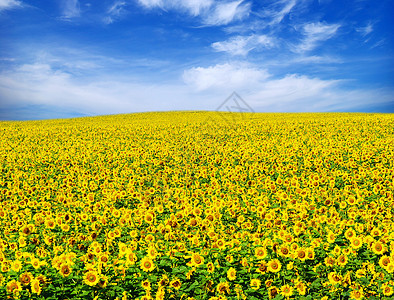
316, 59
225, 13
315, 33
242, 45
378, 43
115, 11
194, 7
9, 4
278, 15
71, 9
211, 12
366, 30
275, 12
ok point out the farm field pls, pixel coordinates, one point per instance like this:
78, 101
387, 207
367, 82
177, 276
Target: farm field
198, 205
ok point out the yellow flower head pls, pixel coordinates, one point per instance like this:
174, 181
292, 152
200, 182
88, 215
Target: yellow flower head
231, 274
255, 283
91, 278
147, 264
286, 290
260, 252
274, 265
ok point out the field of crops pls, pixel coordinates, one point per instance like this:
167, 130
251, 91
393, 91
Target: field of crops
197, 205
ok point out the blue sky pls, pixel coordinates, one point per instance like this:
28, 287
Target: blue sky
71, 58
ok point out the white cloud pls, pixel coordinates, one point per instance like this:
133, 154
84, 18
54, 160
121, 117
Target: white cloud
314, 33
71, 9
194, 7
364, 31
212, 13
224, 76
291, 92
275, 12
9, 4
151, 3
277, 16
242, 45
316, 59
224, 13
41, 85
44, 86
115, 11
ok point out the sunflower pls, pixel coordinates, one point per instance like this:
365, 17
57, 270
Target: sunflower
301, 288
91, 278
255, 283
149, 238
289, 238
375, 232
104, 258
147, 264
176, 283
273, 292
197, 260
274, 265
361, 273
26, 230
35, 286
160, 293
210, 267
221, 244
286, 290
351, 200
230, 258
334, 278
14, 287
350, 233
342, 260
149, 218
390, 267
163, 281
310, 253
260, 252
387, 290
146, 285
357, 294
356, 243
384, 261
284, 251
301, 254
65, 270
231, 274
378, 248
26, 278
131, 258
193, 222
329, 261
16, 265
262, 267
337, 250
223, 287
152, 252
122, 249
103, 281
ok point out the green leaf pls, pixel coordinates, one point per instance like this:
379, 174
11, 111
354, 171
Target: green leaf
192, 286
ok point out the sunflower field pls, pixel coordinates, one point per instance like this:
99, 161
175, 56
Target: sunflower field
198, 205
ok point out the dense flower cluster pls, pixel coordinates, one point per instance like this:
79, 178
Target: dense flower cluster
197, 205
